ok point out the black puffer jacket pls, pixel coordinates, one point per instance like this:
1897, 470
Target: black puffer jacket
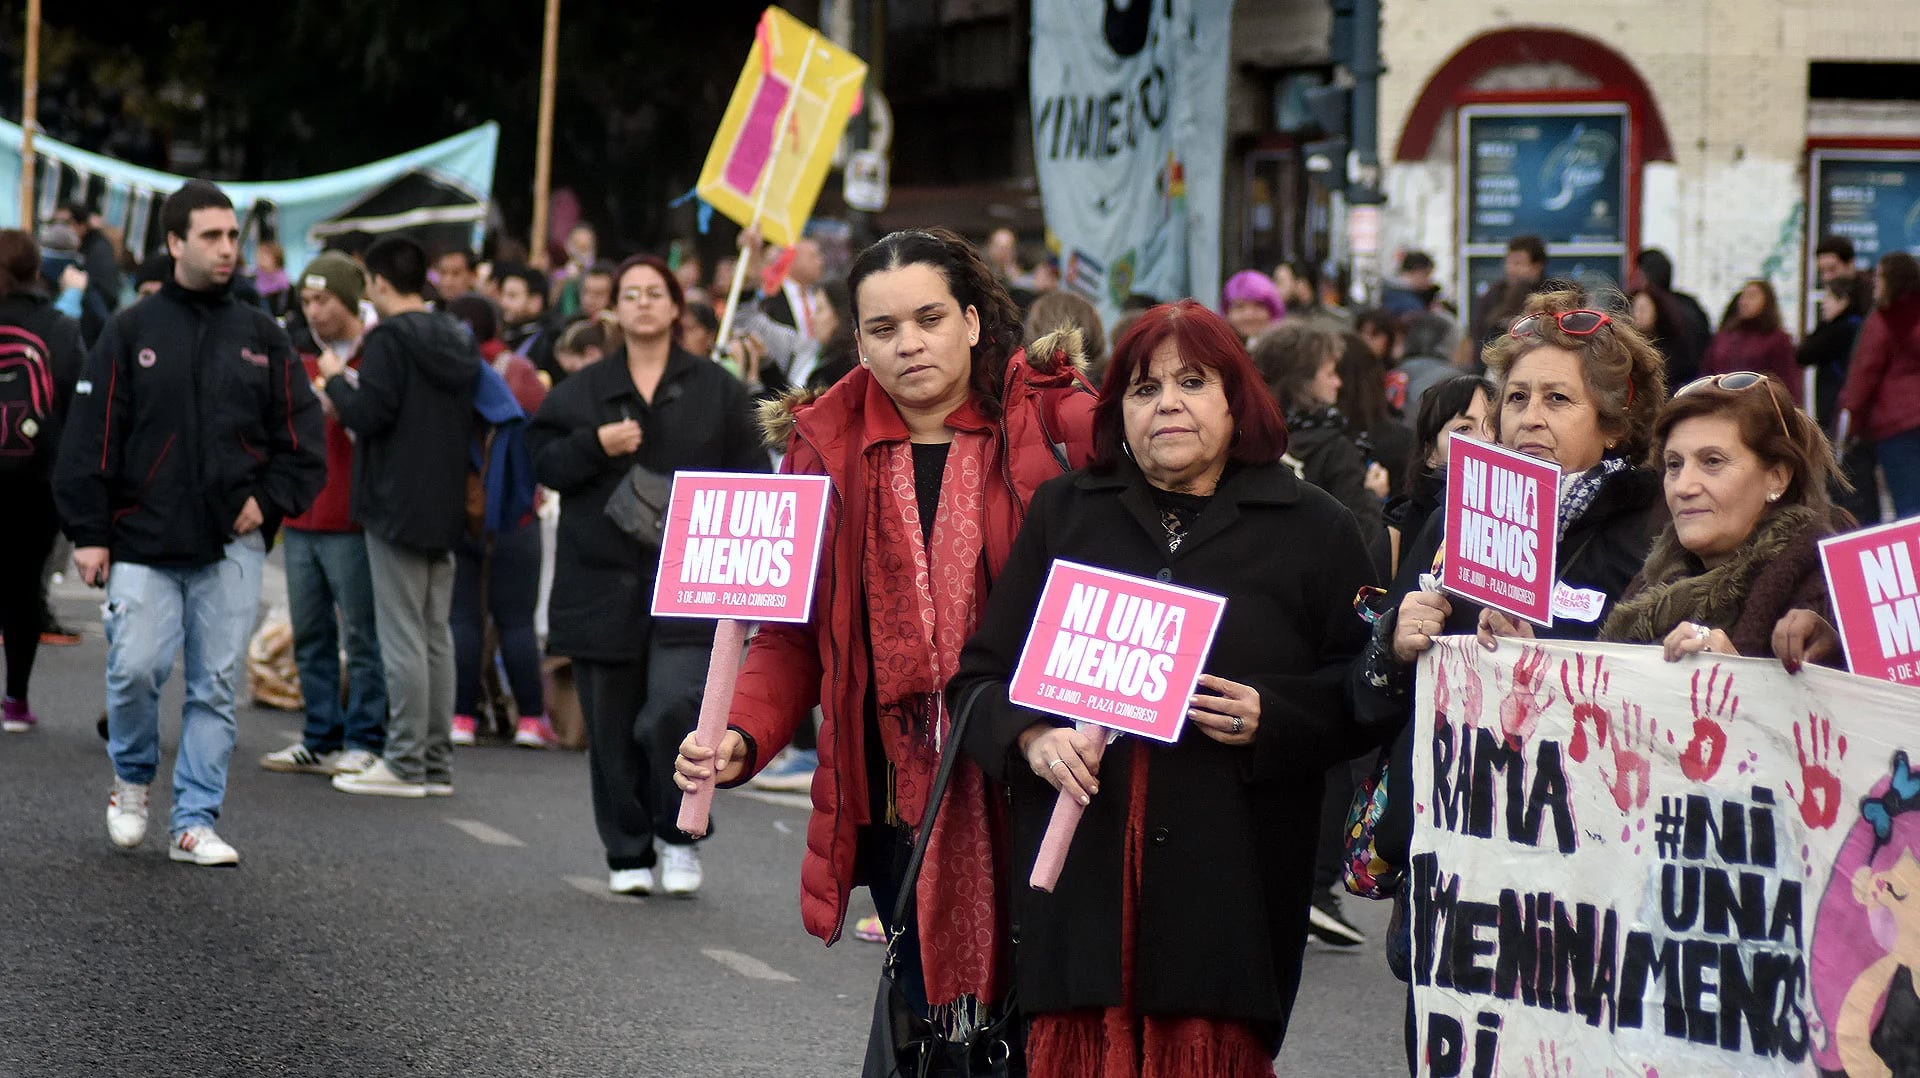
410, 405
701, 419
190, 404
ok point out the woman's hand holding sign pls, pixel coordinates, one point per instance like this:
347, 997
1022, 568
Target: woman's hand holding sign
694, 765
1495, 624
1423, 614
1231, 716
1067, 758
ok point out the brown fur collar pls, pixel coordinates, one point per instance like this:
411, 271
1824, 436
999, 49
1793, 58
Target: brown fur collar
1048, 353
1777, 569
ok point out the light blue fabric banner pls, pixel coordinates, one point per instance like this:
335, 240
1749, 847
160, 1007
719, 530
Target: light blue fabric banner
438, 193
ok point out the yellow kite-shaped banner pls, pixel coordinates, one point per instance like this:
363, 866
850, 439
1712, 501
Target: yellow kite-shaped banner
788, 111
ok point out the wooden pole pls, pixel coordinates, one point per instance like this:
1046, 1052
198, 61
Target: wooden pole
543, 148
29, 114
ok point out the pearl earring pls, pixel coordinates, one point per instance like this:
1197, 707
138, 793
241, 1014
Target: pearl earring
1773, 495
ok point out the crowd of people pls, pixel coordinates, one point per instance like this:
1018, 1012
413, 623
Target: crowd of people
435, 431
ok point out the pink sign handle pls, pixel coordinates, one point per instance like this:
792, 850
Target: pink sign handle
1053, 846
723, 666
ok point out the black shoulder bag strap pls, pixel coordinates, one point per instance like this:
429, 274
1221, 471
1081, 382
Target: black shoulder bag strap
949, 759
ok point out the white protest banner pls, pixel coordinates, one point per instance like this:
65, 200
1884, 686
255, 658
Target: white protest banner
1625, 866
739, 545
1129, 140
1876, 599
1501, 529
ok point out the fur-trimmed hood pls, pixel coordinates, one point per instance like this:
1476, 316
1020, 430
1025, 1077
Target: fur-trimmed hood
1777, 569
1051, 355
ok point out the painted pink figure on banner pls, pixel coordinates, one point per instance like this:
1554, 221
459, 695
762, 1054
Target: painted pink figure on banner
934, 444
1175, 929
1864, 965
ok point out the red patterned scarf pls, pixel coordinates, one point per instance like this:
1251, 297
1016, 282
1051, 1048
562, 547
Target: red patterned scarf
923, 601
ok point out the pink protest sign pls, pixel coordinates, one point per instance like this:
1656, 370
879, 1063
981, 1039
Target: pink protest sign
741, 545
1501, 528
1876, 599
1120, 651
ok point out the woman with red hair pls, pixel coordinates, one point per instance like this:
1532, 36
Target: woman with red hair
1128, 968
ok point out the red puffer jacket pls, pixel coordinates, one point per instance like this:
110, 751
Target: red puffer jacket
1046, 429
1883, 382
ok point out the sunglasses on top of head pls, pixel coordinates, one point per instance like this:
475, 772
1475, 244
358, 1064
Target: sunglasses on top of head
1578, 323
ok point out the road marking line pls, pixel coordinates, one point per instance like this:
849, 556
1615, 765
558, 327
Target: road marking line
747, 965
480, 832
793, 801
783, 827
593, 888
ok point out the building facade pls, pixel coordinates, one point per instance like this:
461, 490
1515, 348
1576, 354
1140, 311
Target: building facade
1728, 133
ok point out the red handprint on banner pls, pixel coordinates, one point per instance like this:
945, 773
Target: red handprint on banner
1442, 695
1632, 770
1584, 689
1713, 708
1530, 698
1819, 794
1549, 1063
1473, 692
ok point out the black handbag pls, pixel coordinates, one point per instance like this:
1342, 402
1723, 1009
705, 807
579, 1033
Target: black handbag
638, 506
904, 1045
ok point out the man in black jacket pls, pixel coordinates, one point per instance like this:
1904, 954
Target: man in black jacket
192, 435
410, 404
1846, 299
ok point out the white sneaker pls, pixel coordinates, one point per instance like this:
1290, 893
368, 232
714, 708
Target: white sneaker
630, 881
200, 846
378, 779
679, 868
297, 758
127, 813
439, 789
353, 760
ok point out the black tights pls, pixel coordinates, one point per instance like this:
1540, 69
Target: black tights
25, 541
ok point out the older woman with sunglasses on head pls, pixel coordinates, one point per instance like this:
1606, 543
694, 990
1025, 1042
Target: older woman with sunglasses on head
1737, 571
1578, 387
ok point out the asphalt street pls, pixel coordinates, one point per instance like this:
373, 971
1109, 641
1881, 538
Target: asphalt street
465, 936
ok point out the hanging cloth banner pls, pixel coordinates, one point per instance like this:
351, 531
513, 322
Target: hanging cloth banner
1129, 138
438, 194
1627, 866
770, 157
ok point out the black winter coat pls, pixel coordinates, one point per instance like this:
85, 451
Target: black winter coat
1602, 551
1228, 866
65, 355
191, 403
1330, 460
410, 407
701, 419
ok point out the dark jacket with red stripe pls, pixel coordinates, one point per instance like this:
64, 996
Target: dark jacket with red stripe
191, 403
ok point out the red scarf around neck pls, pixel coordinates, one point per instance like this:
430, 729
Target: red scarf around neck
923, 601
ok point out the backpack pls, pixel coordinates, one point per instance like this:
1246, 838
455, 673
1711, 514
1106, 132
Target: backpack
26, 398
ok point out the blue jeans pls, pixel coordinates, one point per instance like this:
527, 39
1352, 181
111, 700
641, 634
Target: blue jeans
1900, 460
151, 613
327, 571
